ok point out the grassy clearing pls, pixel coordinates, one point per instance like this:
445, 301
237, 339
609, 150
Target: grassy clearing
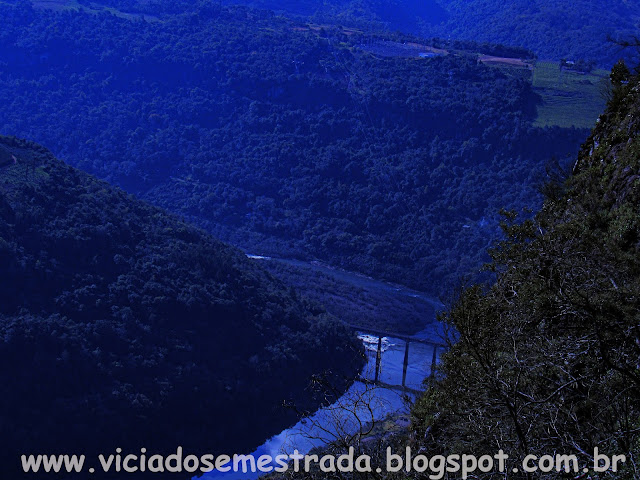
568, 98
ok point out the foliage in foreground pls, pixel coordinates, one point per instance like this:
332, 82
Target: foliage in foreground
546, 360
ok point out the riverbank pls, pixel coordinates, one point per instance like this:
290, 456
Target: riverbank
366, 414
357, 299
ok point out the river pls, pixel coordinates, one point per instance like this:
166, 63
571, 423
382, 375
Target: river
322, 427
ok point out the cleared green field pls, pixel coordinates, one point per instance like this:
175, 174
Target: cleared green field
568, 98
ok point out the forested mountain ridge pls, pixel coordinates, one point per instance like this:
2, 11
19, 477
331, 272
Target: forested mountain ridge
285, 138
575, 30
123, 326
552, 29
546, 358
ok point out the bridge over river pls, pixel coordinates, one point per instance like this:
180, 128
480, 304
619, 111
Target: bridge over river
396, 368
397, 365
380, 346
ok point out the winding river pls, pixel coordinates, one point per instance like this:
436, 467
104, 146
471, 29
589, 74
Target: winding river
342, 416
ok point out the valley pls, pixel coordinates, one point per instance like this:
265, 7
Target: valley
338, 226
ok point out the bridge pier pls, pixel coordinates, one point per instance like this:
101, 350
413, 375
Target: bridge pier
407, 339
405, 363
378, 358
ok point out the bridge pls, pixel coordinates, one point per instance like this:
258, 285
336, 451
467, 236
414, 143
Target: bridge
408, 340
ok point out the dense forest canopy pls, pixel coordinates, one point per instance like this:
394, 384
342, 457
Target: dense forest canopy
552, 29
576, 29
122, 326
284, 137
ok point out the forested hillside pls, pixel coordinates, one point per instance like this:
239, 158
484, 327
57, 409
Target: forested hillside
546, 358
122, 326
575, 30
552, 29
286, 138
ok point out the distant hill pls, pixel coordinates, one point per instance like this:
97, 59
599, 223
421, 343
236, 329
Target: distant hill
553, 30
379, 153
123, 326
576, 29
550, 28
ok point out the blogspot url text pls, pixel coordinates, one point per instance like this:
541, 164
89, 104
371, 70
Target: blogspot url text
435, 467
